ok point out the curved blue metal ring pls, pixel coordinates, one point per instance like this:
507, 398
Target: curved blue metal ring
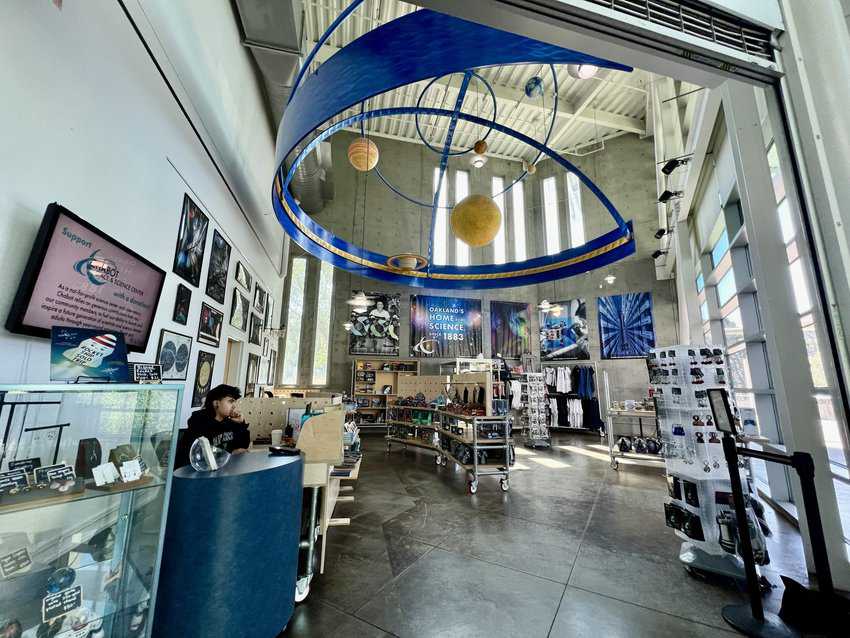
323, 244
439, 151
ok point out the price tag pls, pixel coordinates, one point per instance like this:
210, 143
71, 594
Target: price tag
146, 372
57, 605
104, 474
41, 472
13, 478
14, 562
27, 465
131, 470
65, 473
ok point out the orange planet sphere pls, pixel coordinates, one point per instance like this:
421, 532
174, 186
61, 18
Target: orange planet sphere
363, 154
480, 147
476, 220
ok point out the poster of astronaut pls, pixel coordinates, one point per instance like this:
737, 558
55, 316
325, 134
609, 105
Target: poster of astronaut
563, 331
88, 353
374, 329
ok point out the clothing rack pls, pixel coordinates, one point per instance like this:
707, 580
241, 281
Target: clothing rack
574, 363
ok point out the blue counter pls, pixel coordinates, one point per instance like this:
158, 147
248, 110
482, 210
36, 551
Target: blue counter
230, 556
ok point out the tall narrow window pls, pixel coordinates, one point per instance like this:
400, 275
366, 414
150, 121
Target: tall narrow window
550, 214
518, 212
293, 320
576, 215
441, 223
324, 306
461, 191
499, 248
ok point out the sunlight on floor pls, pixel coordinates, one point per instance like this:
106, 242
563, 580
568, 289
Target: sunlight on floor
523, 452
580, 450
600, 447
519, 467
550, 463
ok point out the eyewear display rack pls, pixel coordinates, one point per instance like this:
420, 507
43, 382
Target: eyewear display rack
471, 442
615, 418
534, 417
374, 385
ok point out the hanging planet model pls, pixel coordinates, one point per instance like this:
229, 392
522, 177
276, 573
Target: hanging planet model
480, 147
476, 220
363, 154
534, 87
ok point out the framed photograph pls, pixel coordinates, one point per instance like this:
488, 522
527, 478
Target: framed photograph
239, 311
510, 328
625, 325
376, 326
219, 264
209, 326
260, 300
266, 347
243, 277
203, 377
252, 375
256, 327
564, 331
191, 242
182, 300
172, 354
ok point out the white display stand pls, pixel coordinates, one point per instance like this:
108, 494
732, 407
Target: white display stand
700, 507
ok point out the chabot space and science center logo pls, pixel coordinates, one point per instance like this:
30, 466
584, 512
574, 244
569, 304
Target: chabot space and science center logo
97, 270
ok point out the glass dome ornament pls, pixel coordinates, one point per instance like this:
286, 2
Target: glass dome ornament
61, 579
534, 87
206, 457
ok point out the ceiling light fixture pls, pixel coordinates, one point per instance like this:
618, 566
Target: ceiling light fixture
477, 160
658, 253
582, 71
666, 196
610, 279
544, 306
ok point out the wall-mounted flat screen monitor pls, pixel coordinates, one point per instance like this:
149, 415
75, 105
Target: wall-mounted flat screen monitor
78, 276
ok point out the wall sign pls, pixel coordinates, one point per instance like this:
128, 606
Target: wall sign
146, 373
445, 327
27, 465
14, 562
88, 353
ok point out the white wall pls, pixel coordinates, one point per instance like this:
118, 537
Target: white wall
88, 122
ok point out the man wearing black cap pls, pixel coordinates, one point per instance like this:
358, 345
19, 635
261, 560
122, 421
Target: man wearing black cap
219, 421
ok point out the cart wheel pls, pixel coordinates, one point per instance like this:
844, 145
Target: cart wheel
615, 465
438, 460
473, 487
505, 484
302, 589
445, 461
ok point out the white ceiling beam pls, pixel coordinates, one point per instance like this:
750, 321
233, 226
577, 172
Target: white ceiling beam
566, 110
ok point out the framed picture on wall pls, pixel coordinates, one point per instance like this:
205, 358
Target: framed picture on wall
191, 242
243, 277
203, 377
219, 264
273, 367
182, 301
252, 374
510, 328
260, 299
172, 354
625, 325
239, 311
256, 327
375, 328
269, 315
209, 326
564, 331
266, 347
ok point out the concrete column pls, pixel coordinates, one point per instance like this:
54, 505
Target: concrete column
786, 348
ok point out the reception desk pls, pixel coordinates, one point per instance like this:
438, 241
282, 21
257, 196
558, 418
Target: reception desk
230, 555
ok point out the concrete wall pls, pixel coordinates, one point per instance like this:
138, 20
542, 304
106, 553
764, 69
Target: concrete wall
624, 171
91, 124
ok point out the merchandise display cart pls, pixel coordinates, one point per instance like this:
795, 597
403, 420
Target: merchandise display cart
481, 445
616, 419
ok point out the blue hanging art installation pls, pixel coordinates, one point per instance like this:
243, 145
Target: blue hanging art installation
425, 45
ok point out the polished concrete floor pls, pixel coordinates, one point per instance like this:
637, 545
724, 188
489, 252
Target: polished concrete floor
574, 549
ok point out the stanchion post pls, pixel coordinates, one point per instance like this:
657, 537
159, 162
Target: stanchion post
805, 467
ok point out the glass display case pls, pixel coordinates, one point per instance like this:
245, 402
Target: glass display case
85, 473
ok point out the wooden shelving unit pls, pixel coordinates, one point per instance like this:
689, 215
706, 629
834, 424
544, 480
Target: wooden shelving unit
369, 378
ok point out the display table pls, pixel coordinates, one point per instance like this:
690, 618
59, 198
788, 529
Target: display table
230, 556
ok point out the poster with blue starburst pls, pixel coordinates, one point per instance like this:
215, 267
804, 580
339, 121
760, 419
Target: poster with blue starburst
510, 329
625, 325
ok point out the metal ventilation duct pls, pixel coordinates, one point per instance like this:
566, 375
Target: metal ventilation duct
272, 31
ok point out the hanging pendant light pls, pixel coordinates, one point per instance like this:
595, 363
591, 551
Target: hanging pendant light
581, 71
